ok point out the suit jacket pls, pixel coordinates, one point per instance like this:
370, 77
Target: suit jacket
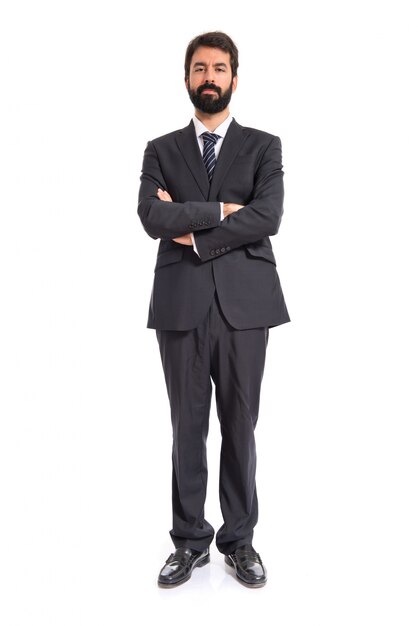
236, 256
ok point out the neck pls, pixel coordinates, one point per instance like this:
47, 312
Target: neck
212, 120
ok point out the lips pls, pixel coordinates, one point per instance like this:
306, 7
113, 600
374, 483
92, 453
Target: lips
209, 90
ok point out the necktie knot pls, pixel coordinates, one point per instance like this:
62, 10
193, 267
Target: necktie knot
211, 137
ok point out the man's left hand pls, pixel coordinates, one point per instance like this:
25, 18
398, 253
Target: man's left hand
164, 195
185, 240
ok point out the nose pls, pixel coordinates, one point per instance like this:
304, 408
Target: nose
210, 75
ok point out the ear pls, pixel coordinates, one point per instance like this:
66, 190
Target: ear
186, 82
234, 83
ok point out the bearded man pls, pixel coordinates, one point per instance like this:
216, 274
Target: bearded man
212, 193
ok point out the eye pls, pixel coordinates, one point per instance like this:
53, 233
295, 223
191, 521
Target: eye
220, 69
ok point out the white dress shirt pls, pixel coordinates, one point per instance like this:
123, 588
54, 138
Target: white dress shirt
200, 128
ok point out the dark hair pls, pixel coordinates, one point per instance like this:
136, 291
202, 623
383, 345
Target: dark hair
215, 39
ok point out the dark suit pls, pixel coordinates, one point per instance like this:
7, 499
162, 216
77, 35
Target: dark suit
212, 313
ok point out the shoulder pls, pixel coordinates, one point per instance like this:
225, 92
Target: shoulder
260, 137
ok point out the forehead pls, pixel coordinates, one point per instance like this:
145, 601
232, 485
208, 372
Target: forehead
210, 56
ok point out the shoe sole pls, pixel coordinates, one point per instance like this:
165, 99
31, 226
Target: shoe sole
200, 563
231, 563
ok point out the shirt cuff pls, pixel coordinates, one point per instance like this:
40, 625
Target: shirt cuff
222, 211
194, 244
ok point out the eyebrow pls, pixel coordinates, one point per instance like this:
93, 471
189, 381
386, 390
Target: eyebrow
204, 64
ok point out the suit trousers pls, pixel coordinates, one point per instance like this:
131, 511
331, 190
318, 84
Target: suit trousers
234, 361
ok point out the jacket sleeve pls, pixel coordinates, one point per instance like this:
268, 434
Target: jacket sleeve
260, 218
167, 220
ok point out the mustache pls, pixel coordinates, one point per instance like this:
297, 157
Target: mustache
209, 86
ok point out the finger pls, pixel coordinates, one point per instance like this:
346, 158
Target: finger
164, 195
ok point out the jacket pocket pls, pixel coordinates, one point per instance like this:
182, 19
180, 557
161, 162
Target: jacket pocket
263, 252
169, 256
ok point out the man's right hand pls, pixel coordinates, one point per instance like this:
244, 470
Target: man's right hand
230, 207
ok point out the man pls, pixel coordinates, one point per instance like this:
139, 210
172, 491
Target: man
213, 193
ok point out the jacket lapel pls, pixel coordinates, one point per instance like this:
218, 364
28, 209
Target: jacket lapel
187, 143
234, 138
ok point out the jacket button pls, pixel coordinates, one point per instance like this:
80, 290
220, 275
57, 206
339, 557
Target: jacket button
212, 252
228, 248
222, 249
217, 250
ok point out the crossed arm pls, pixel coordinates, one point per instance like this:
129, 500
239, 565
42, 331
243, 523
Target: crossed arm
241, 224
186, 240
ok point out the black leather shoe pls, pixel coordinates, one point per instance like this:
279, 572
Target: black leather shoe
248, 566
179, 566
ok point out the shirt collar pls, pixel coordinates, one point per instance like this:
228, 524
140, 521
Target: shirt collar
221, 130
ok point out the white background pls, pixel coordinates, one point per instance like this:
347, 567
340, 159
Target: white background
85, 432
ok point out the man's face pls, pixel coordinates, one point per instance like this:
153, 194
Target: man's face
210, 84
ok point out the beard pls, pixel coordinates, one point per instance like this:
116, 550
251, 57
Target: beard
208, 103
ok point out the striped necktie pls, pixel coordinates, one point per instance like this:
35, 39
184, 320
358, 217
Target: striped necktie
209, 159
